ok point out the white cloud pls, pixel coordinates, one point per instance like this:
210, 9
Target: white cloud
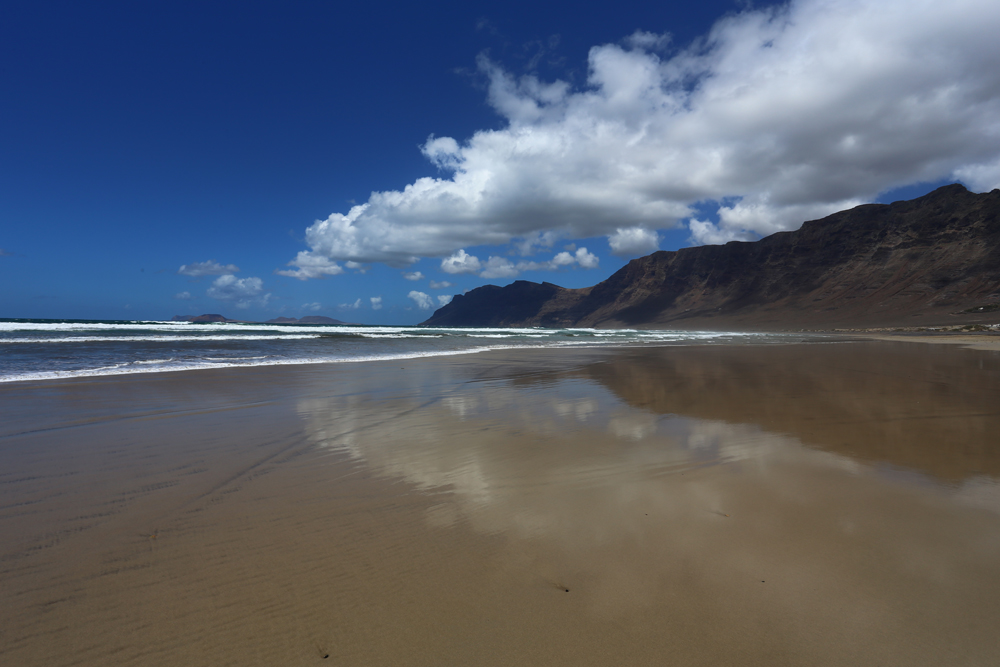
423, 301
754, 217
312, 306
444, 284
460, 262
980, 177
243, 292
704, 232
415, 275
209, 268
311, 265
586, 260
778, 115
633, 242
443, 152
445, 299
352, 306
183, 296
563, 259
376, 303
501, 267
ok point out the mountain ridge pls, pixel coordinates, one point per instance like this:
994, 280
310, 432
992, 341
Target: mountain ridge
913, 262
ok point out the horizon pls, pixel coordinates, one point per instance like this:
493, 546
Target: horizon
364, 165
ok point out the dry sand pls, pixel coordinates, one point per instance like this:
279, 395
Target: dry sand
822, 504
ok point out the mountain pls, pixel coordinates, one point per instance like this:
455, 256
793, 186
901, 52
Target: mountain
913, 263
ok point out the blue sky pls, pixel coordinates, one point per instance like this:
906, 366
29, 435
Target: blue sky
190, 157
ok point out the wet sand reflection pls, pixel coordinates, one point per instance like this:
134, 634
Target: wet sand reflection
840, 500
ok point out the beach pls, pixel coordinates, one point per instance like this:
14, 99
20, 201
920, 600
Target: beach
824, 503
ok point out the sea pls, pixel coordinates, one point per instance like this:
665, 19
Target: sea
51, 349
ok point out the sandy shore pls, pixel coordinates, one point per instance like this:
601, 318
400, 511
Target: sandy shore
817, 504
987, 342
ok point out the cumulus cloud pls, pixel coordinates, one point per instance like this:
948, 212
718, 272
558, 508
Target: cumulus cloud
445, 299
352, 306
980, 177
376, 302
444, 284
316, 305
183, 296
501, 267
209, 268
415, 275
461, 262
242, 292
586, 260
311, 265
778, 115
423, 300
633, 242
704, 232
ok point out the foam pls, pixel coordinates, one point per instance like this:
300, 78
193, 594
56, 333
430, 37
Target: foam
150, 339
132, 368
265, 342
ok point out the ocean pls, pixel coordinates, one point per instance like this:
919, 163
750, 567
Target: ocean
52, 349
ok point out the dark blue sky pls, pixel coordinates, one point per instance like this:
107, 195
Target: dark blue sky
139, 137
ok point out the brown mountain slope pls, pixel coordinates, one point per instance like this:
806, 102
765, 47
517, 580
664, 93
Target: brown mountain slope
908, 263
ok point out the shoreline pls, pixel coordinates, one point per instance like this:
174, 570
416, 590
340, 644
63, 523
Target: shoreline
143, 368
974, 340
137, 363
987, 342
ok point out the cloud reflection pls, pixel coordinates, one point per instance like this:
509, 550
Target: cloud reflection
634, 507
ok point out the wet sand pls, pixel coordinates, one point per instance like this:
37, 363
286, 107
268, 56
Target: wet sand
988, 342
822, 504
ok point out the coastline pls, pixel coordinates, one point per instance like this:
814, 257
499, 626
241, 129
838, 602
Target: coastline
814, 503
52, 350
973, 341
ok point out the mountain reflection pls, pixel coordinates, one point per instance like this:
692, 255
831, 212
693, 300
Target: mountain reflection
640, 478
930, 408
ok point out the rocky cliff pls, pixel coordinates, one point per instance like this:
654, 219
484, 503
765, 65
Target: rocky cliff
915, 262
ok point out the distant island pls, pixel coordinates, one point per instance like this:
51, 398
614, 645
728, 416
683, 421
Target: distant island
929, 261
214, 317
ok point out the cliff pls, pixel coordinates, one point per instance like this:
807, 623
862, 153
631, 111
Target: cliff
910, 263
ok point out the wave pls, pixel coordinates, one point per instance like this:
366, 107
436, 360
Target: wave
175, 327
26, 326
150, 339
132, 368
209, 363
